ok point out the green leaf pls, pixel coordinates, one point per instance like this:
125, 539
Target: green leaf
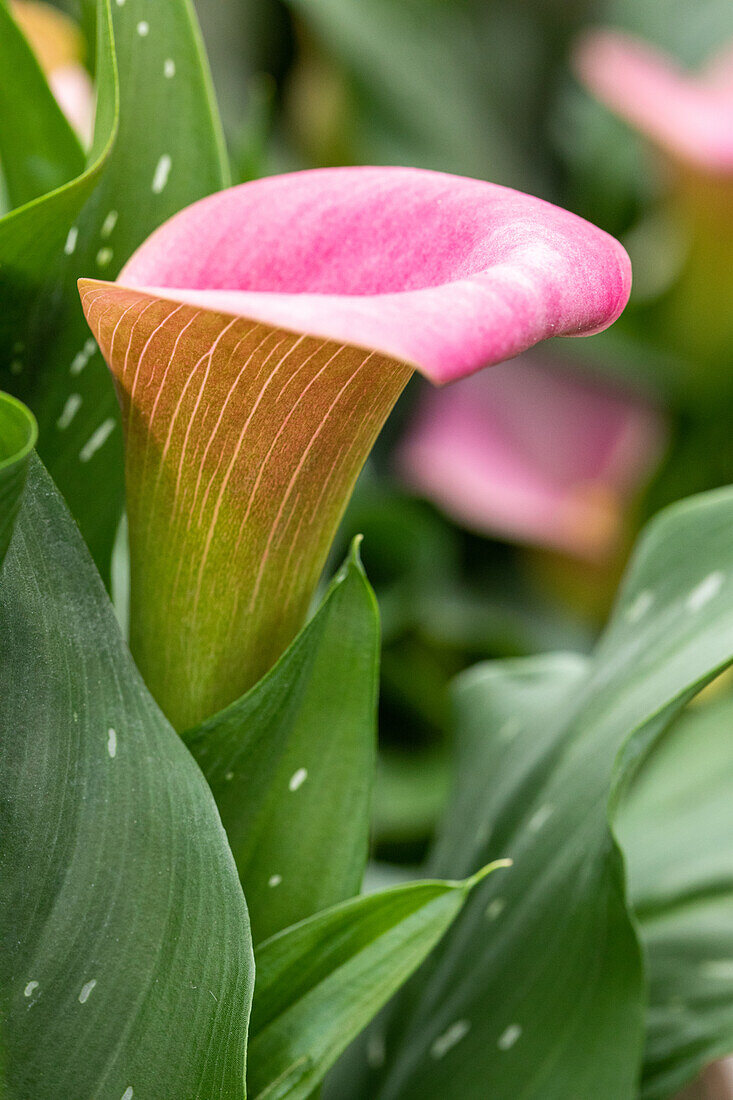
126, 967
157, 148
241, 452
545, 965
319, 983
416, 83
38, 149
291, 764
674, 825
17, 438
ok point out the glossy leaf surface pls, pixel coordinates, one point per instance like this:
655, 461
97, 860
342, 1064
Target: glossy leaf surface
126, 964
39, 150
676, 828
291, 764
157, 147
319, 983
545, 968
17, 438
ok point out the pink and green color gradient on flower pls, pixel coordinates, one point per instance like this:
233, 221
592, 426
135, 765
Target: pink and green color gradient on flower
688, 118
258, 341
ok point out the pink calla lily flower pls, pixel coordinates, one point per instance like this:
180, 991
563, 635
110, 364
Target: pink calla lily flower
533, 454
688, 115
447, 274
258, 341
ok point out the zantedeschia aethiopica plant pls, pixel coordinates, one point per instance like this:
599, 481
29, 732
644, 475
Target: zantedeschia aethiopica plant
258, 342
196, 831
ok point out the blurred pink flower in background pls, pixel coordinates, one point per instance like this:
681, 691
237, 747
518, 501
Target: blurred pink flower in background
688, 115
534, 454
59, 46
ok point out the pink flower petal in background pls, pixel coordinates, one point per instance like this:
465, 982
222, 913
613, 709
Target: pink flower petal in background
59, 46
446, 273
74, 94
534, 454
689, 115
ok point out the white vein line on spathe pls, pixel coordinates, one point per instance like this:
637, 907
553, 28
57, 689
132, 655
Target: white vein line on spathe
194, 414
230, 468
226, 401
149, 340
296, 473
281, 429
135, 323
306, 361
151, 421
262, 370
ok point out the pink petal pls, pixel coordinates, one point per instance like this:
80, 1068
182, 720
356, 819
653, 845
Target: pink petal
532, 453
74, 94
446, 273
690, 116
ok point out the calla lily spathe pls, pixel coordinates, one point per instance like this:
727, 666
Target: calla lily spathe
688, 115
534, 453
258, 341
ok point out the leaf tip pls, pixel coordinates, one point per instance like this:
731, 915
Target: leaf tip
497, 865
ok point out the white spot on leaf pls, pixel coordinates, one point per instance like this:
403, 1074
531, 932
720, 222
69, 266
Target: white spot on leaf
30, 989
86, 990
69, 411
638, 608
71, 238
143, 28
721, 969
99, 437
108, 224
274, 880
509, 730
450, 1038
297, 779
104, 257
162, 171
706, 590
539, 818
111, 743
495, 908
376, 1054
169, 68
508, 1038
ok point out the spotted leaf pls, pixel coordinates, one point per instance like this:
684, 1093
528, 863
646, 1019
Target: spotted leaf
321, 981
126, 965
545, 964
291, 763
157, 146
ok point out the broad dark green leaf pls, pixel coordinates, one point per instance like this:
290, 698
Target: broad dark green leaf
319, 983
291, 763
157, 148
38, 149
545, 965
126, 966
675, 825
17, 438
